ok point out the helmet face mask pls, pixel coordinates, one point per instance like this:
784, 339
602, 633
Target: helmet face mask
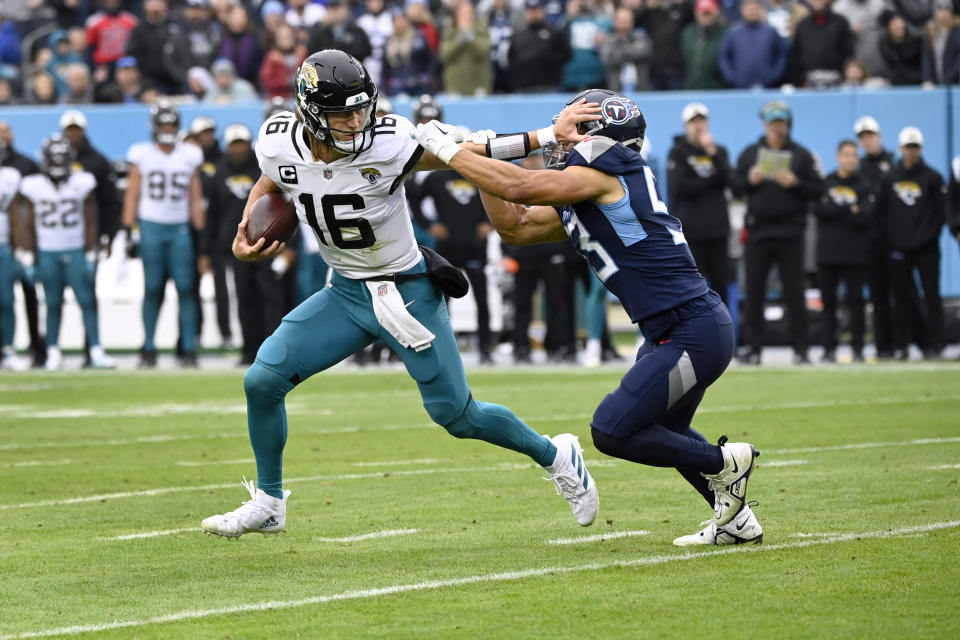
329, 82
56, 156
164, 113
620, 119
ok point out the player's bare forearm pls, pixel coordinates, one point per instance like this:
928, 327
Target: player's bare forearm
197, 213
430, 162
131, 197
520, 225
29, 235
261, 187
91, 233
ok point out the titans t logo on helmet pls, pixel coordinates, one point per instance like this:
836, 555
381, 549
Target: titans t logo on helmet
618, 110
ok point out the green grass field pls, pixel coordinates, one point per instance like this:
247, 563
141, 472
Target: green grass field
104, 479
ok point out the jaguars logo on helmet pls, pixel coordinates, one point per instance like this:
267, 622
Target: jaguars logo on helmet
331, 81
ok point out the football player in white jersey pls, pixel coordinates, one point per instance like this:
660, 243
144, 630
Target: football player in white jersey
164, 195
9, 185
344, 169
61, 217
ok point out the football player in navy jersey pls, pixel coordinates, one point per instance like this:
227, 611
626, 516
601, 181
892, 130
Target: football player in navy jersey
604, 198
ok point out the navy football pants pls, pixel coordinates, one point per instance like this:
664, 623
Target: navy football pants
647, 418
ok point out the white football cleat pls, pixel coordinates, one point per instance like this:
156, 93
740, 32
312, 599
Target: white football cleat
730, 485
574, 483
261, 514
54, 359
99, 358
592, 354
743, 530
10, 361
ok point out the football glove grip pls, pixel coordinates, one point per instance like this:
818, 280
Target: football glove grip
438, 139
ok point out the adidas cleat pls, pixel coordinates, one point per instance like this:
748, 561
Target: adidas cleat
743, 530
574, 483
730, 485
261, 514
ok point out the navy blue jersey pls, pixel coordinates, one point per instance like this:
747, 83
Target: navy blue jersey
634, 245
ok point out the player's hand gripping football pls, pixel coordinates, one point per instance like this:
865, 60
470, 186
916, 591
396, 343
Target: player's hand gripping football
254, 252
565, 128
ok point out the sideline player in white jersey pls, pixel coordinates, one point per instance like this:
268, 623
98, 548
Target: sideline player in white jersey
61, 222
345, 169
9, 185
164, 195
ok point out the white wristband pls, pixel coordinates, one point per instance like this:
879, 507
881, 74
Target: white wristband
446, 153
546, 136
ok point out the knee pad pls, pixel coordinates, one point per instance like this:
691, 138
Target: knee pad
463, 426
261, 382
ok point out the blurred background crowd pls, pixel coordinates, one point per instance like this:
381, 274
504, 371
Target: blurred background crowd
223, 51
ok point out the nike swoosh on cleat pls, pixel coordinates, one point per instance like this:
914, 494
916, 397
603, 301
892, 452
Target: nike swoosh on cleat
740, 527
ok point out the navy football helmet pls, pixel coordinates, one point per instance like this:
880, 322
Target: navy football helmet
161, 113
620, 119
331, 81
56, 157
425, 109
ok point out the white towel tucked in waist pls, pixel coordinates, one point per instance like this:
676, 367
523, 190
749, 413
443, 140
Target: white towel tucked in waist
393, 316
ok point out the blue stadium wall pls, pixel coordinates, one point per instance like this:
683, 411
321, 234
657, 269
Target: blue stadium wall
821, 119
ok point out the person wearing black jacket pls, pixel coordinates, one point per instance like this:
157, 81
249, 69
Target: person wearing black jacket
779, 178
337, 31
26, 167
844, 215
911, 206
538, 52
157, 44
822, 43
664, 21
261, 303
455, 216
698, 174
875, 164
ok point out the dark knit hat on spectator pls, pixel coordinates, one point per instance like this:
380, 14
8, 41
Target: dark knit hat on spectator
533, 4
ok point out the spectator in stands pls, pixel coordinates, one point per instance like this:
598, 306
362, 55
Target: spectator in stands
420, 17
911, 207
856, 76
409, 63
201, 34
43, 89
915, 12
377, 23
228, 88
625, 53
864, 19
779, 178
337, 31
586, 28
9, 41
664, 21
941, 62
108, 31
127, 86
698, 175
241, 46
752, 54
784, 15
501, 22
844, 215
465, 53
77, 37
822, 43
537, 52
875, 164
8, 95
61, 59
79, 87
280, 64
199, 82
155, 43
700, 44
272, 16
302, 15
902, 52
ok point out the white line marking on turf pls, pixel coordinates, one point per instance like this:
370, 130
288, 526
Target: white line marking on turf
388, 533
866, 445
781, 463
385, 463
600, 537
946, 466
207, 463
35, 463
151, 534
537, 572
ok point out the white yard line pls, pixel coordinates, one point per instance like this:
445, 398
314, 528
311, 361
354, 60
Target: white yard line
865, 445
781, 463
388, 533
507, 576
208, 463
152, 534
388, 463
36, 463
945, 466
600, 537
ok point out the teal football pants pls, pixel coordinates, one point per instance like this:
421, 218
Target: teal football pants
7, 316
56, 270
167, 252
338, 321
311, 274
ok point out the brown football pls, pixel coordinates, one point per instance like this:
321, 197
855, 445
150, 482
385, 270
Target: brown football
273, 217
